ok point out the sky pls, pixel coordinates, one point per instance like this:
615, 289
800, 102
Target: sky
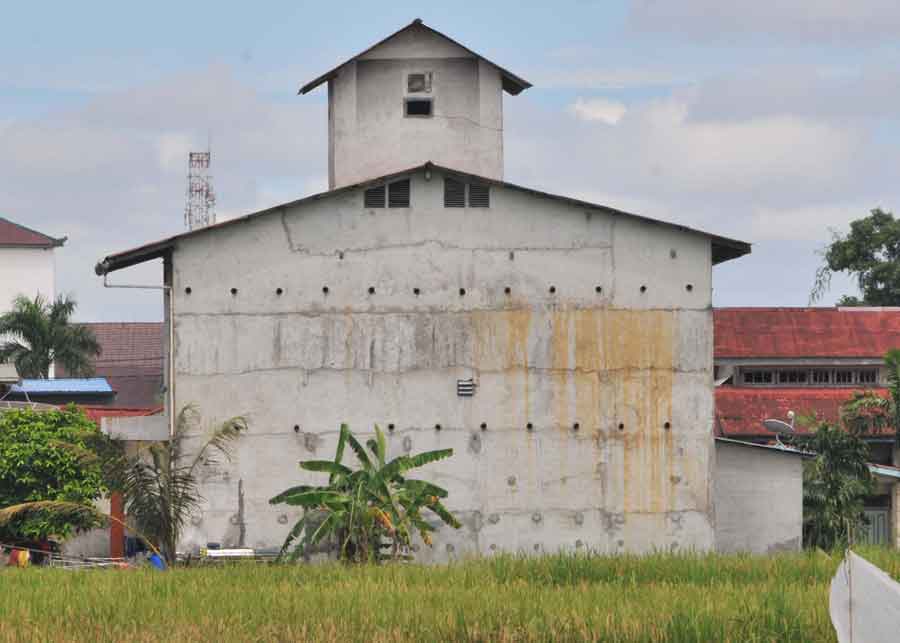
773, 122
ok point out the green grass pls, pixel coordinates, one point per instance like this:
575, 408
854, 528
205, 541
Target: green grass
556, 598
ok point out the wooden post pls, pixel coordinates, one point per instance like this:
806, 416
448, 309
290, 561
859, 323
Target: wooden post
116, 528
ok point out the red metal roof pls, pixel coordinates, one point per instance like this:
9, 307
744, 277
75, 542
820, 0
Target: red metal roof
15, 235
805, 332
741, 411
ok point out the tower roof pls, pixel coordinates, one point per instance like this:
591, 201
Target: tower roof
511, 83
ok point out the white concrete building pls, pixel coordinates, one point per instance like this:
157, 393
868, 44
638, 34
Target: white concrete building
27, 267
586, 330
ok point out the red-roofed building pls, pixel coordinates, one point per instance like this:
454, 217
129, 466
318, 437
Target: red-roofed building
775, 363
131, 360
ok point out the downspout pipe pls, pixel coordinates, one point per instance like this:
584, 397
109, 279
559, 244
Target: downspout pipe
170, 392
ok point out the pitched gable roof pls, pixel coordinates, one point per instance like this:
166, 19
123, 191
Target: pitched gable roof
511, 83
14, 235
785, 333
723, 248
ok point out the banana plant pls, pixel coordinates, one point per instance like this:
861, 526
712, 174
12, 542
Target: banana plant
365, 511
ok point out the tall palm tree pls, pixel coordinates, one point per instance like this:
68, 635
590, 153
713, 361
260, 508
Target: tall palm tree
36, 333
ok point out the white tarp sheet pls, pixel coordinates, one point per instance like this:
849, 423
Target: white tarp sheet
864, 603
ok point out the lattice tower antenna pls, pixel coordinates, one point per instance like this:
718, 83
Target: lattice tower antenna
200, 205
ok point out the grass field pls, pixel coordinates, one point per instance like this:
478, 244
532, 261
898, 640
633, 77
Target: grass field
556, 598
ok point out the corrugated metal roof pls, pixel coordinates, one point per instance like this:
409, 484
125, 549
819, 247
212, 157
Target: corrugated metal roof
62, 385
511, 83
781, 333
15, 235
723, 248
741, 411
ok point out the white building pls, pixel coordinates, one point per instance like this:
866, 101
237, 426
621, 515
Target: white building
586, 330
27, 267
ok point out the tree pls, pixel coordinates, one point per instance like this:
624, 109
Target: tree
871, 253
36, 464
38, 333
835, 484
367, 510
159, 483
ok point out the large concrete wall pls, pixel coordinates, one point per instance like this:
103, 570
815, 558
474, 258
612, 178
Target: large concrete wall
369, 135
758, 499
24, 271
631, 365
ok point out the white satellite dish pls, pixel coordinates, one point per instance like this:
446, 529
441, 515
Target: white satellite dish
777, 426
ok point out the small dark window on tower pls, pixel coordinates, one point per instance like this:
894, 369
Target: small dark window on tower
398, 194
479, 195
417, 106
418, 83
374, 197
454, 194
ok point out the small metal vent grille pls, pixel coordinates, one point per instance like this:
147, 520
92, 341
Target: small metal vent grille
374, 197
398, 194
454, 194
465, 388
479, 195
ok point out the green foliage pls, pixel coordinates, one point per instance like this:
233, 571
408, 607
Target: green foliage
835, 485
365, 511
871, 253
866, 412
159, 483
39, 462
38, 333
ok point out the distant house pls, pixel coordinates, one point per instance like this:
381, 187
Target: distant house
131, 360
27, 267
770, 362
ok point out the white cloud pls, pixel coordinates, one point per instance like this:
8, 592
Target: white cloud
598, 109
858, 21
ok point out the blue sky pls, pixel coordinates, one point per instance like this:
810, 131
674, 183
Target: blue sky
771, 122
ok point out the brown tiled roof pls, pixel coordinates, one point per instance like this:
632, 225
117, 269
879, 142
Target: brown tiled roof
15, 235
131, 360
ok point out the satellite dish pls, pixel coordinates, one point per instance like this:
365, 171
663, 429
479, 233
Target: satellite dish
777, 426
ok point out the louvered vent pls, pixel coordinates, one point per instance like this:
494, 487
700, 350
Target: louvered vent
374, 197
454, 194
479, 195
398, 194
465, 388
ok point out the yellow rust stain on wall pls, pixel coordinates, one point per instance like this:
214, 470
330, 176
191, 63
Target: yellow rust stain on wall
605, 367
518, 327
